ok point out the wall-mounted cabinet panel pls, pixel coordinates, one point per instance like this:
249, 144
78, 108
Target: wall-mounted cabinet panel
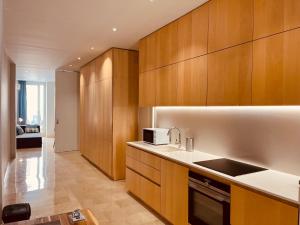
229, 76
142, 55
103, 66
230, 23
250, 208
192, 33
276, 69
166, 85
167, 44
271, 17
192, 82
147, 88
152, 51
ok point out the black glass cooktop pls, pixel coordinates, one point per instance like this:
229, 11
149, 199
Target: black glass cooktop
230, 167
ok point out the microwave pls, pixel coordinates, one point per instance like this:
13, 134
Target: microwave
156, 136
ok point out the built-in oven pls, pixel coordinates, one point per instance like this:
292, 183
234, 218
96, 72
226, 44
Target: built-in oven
209, 201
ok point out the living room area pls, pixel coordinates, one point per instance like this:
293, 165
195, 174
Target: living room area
35, 108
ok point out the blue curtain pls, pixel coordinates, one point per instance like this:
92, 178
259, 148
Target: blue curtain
22, 101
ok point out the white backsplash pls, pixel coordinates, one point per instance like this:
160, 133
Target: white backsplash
266, 136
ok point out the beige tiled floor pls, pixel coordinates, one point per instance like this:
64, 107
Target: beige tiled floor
60, 182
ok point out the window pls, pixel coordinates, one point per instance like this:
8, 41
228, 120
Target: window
36, 104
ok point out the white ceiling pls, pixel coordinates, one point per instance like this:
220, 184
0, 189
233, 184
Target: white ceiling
44, 35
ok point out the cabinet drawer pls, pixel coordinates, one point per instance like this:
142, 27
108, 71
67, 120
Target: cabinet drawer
144, 157
143, 169
144, 189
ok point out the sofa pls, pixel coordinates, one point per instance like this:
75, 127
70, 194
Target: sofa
29, 140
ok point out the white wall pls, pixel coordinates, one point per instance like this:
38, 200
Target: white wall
267, 136
67, 111
50, 109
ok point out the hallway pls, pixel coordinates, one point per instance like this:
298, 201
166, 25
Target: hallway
60, 182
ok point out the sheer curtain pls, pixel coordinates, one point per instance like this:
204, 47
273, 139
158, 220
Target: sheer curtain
36, 104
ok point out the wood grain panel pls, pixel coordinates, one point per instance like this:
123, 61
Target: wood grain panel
192, 33
276, 70
167, 44
192, 82
271, 17
104, 66
147, 88
142, 55
230, 23
143, 169
249, 208
152, 51
166, 86
125, 104
174, 192
229, 76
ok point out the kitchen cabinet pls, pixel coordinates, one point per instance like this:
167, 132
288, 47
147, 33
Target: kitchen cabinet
192, 33
108, 109
250, 208
230, 23
174, 192
276, 69
192, 82
229, 76
147, 88
166, 85
167, 50
271, 17
159, 183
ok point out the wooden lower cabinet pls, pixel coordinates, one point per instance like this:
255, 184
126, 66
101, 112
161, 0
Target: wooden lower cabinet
159, 183
250, 208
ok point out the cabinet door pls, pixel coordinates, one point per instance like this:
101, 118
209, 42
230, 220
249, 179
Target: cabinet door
276, 69
249, 208
103, 65
192, 82
166, 86
152, 51
229, 76
192, 33
271, 17
147, 88
168, 44
174, 192
230, 23
142, 55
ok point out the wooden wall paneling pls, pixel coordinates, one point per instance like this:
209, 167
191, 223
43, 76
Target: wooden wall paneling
192, 82
82, 115
276, 69
125, 105
193, 33
230, 23
249, 208
147, 88
271, 17
174, 192
142, 55
166, 85
229, 76
152, 51
168, 44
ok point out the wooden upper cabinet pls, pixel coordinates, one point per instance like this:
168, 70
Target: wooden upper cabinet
167, 44
230, 23
142, 54
249, 208
147, 88
166, 85
271, 17
192, 33
192, 82
151, 51
104, 66
276, 69
229, 76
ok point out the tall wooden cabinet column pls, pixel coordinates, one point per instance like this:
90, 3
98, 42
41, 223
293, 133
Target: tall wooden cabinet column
108, 109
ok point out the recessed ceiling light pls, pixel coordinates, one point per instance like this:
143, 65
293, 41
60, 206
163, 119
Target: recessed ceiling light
114, 29
70, 65
79, 58
92, 48
151, 0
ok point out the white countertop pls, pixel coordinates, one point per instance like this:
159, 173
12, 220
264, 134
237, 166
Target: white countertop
278, 184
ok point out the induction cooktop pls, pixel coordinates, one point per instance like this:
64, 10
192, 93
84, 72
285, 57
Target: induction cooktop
230, 167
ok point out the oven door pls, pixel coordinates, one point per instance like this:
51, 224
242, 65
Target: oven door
207, 207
